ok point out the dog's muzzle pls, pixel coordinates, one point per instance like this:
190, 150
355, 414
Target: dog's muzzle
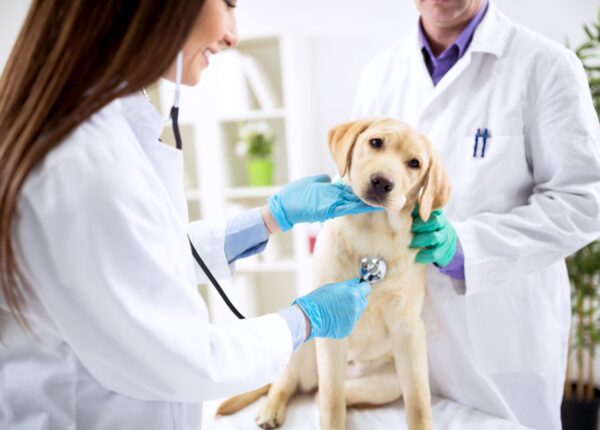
379, 188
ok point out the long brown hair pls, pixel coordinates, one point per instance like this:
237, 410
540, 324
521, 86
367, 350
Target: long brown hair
71, 58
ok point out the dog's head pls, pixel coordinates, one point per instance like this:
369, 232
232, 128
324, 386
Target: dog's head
389, 164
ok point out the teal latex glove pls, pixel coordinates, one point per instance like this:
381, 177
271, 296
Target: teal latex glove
334, 309
314, 199
436, 236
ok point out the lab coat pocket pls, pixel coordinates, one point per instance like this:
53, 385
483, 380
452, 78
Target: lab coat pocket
490, 177
511, 329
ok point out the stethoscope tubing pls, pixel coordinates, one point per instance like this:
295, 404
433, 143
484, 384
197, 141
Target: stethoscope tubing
214, 282
203, 266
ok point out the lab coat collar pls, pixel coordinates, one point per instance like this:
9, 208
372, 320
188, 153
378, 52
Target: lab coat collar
491, 36
143, 118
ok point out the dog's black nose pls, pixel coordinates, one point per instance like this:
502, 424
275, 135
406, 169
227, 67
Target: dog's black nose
381, 184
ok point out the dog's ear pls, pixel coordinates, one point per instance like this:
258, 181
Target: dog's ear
342, 139
436, 188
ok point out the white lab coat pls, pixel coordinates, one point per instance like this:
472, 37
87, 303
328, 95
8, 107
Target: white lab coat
123, 339
498, 342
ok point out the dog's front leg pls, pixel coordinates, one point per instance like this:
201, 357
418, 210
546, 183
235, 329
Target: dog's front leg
331, 365
410, 355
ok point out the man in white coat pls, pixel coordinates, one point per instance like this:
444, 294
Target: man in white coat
511, 116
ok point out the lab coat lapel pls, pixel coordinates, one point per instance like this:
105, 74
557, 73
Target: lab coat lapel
490, 37
147, 125
430, 93
419, 71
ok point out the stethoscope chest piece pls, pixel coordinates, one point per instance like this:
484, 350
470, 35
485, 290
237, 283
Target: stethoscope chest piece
372, 269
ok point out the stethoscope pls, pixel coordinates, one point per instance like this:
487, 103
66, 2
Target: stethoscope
174, 116
371, 269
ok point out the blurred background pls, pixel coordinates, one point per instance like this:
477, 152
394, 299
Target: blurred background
260, 116
341, 35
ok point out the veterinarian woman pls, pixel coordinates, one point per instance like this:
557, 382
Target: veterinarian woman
511, 116
101, 323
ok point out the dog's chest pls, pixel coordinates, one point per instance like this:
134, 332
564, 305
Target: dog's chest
370, 338
382, 235
386, 237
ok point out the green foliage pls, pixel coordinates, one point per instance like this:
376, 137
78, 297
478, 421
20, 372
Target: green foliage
584, 273
584, 266
589, 54
256, 140
260, 146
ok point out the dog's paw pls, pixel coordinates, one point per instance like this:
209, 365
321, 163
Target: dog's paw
271, 414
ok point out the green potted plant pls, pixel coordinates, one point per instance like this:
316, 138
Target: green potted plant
581, 398
256, 144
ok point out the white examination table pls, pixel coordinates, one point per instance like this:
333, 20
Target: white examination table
303, 415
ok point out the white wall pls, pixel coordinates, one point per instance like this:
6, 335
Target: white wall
12, 14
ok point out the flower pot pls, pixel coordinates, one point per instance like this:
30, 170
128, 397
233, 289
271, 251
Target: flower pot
580, 414
260, 172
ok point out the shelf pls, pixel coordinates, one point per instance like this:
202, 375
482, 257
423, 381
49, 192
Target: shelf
265, 267
217, 184
258, 39
251, 192
254, 115
193, 195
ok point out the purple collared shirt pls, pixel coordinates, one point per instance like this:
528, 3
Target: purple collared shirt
439, 66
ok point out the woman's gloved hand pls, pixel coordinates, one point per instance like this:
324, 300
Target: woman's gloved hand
314, 199
436, 236
334, 309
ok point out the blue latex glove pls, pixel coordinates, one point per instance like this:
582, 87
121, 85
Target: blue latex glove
314, 199
334, 309
436, 236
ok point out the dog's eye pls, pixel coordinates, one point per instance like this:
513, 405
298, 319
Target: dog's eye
376, 142
414, 163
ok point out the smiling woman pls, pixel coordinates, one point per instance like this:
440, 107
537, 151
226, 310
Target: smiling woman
214, 29
51, 84
101, 323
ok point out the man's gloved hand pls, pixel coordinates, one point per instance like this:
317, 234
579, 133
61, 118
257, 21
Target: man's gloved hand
437, 237
334, 309
314, 199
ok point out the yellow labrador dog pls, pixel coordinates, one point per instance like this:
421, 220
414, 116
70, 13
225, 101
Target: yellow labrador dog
387, 164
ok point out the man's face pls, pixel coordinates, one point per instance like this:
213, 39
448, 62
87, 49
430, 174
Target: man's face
447, 13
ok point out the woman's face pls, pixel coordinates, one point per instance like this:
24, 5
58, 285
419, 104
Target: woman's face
214, 29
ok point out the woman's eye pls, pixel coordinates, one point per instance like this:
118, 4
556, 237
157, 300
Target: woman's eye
376, 142
414, 163
231, 3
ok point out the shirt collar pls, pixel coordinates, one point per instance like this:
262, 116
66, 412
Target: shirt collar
143, 118
462, 41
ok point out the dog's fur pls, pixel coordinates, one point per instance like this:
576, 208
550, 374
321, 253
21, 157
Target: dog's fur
385, 355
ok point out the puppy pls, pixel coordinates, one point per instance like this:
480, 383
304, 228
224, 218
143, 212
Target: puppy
387, 164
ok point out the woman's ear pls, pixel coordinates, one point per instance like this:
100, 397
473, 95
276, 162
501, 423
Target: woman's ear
342, 139
436, 188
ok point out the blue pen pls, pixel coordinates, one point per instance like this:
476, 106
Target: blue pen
477, 136
485, 136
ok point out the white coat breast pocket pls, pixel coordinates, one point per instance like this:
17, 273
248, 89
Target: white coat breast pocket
491, 177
